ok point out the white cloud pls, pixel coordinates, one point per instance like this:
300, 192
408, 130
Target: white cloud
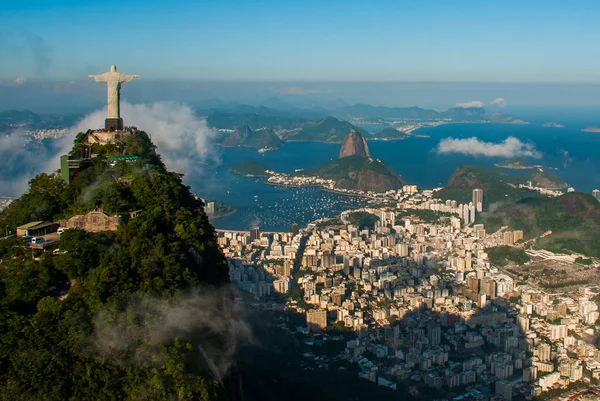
472, 103
182, 140
510, 147
20, 81
498, 101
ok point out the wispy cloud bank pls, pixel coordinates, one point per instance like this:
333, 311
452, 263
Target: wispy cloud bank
510, 147
498, 101
204, 317
183, 140
472, 103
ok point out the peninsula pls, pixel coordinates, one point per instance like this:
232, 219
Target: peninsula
515, 164
250, 168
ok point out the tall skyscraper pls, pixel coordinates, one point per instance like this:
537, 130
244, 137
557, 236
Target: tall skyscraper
478, 199
294, 229
254, 233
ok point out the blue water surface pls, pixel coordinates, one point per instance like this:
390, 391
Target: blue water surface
570, 153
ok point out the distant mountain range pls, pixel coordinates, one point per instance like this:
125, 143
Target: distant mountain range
245, 137
311, 110
26, 120
328, 129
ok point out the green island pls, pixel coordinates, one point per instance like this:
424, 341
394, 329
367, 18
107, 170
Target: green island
552, 125
93, 320
250, 168
591, 129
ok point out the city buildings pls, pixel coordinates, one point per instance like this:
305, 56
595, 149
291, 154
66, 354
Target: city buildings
421, 294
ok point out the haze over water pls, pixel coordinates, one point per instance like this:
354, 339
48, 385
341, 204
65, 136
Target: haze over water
572, 153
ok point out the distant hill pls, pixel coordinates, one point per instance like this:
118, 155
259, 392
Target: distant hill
328, 129
19, 118
573, 218
497, 186
541, 178
254, 118
388, 134
250, 168
366, 110
464, 114
468, 114
245, 137
26, 120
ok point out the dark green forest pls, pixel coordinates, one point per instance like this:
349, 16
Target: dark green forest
141, 313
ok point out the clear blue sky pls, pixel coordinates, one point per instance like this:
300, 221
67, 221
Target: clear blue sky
417, 40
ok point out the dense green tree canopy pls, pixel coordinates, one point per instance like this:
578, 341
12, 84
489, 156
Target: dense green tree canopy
89, 321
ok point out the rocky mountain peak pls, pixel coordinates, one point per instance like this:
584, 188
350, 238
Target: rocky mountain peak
354, 145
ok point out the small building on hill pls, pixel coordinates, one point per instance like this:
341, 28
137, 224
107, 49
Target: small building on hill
37, 228
103, 136
95, 221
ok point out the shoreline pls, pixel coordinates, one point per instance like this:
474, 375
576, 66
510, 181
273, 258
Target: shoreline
223, 215
290, 186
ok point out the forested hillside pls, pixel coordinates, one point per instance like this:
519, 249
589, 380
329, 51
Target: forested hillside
144, 312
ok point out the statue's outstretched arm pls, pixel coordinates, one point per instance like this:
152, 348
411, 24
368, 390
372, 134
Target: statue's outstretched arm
127, 78
98, 78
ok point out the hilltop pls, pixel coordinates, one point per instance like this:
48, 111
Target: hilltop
573, 218
328, 129
497, 186
354, 145
94, 319
247, 138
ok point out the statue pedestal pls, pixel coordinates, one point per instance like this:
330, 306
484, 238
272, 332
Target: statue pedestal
113, 124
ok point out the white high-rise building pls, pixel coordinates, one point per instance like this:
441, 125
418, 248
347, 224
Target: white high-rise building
558, 331
478, 199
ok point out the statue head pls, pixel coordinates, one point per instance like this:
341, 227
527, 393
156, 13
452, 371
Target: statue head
113, 68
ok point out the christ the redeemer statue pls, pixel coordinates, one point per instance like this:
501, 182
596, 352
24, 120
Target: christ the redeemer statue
113, 80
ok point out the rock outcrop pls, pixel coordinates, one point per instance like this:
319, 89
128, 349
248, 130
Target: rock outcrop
354, 145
